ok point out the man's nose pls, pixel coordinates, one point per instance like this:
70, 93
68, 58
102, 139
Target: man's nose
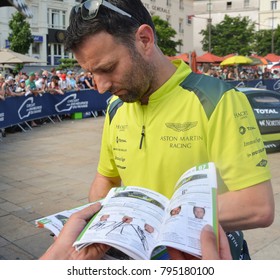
101, 84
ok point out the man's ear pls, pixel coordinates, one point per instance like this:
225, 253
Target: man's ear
145, 38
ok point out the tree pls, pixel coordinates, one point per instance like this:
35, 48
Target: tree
263, 41
165, 33
232, 35
68, 64
262, 45
20, 37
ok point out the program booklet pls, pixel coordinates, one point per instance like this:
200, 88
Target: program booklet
139, 223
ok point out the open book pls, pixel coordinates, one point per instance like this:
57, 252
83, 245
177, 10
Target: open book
140, 223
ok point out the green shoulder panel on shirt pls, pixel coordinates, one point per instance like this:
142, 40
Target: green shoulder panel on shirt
209, 90
114, 106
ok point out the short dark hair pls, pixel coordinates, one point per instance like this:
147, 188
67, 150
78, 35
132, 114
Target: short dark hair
121, 27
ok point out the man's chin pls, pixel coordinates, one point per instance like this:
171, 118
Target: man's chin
127, 99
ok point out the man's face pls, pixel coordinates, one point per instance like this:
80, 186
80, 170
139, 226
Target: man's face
115, 68
199, 212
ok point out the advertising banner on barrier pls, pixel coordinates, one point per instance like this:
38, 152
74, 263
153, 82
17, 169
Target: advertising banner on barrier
272, 84
17, 110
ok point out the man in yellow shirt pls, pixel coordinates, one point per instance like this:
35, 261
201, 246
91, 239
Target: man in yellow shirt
164, 119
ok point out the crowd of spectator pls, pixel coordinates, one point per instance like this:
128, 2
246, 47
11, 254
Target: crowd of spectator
54, 82
35, 83
240, 73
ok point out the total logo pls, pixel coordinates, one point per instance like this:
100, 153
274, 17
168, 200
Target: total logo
266, 111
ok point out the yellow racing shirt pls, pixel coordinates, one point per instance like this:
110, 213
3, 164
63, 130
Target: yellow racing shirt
189, 120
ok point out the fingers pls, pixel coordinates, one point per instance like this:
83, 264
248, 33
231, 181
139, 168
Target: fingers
87, 213
209, 248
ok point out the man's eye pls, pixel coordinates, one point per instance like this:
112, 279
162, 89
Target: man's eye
108, 70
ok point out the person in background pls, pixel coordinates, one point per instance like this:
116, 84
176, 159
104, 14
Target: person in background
167, 115
72, 81
42, 83
64, 82
30, 85
8, 87
2, 91
207, 70
88, 81
80, 78
54, 86
266, 74
20, 89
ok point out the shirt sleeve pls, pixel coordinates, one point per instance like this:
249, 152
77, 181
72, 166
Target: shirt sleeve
235, 143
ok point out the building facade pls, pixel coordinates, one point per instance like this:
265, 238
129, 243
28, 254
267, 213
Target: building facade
187, 17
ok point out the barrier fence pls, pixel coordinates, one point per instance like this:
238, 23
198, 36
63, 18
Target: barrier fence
18, 110
272, 84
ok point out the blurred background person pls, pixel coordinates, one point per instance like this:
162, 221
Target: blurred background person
54, 86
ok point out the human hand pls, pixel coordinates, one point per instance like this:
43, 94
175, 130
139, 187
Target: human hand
62, 248
209, 248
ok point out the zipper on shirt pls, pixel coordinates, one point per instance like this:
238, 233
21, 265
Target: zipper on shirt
142, 137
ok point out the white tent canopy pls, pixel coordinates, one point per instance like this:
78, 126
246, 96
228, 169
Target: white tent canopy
9, 57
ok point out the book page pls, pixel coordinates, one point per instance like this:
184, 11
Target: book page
130, 220
192, 206
55, 222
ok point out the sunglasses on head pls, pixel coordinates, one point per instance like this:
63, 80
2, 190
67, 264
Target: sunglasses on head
89, 9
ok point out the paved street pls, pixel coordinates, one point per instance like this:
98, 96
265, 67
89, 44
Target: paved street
50, 169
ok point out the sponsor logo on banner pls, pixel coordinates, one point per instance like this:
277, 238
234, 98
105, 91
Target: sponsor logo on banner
2, 117
241, 84
276, 86
266, 111
69, 103
29, 108
259, 85
266, 123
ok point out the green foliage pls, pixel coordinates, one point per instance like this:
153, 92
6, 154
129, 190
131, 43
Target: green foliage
67, 64
232, 35
20, 37
277, 40
165, 33
263, 41
262, 44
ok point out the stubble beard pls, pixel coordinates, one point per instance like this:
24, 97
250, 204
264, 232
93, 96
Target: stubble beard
138, 80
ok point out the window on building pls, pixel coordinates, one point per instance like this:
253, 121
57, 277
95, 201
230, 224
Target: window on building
273, 5
246, 3
35, 48
168, 19
57, 49
56, 19
181, 5
181, 26
168, 2
229, 5
34, 19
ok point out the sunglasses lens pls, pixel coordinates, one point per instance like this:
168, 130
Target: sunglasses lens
90, 9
